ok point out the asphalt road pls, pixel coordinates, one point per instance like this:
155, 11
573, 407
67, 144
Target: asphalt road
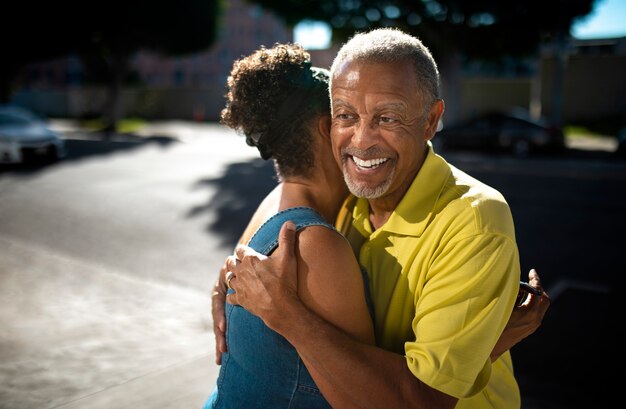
108, 256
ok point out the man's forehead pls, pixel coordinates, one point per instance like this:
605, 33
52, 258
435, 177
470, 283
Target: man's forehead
348, 71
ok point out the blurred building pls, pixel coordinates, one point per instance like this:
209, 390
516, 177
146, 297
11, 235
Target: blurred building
580, 81
594, 80
166, 87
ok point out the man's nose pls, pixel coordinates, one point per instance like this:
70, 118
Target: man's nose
365, 135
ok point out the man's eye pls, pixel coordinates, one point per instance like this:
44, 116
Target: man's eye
344, 116
387, 119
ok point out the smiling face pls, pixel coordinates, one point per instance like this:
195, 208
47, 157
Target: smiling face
380, 128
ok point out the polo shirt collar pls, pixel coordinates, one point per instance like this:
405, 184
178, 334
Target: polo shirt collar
412, 214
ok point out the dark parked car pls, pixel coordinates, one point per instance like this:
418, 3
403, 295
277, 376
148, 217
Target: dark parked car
25, 137
515, 133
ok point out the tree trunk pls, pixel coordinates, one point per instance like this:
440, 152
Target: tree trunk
111, 112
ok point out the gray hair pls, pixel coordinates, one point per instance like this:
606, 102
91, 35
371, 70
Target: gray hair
390, 45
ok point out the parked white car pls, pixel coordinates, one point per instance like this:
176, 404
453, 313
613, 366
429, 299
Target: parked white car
26, 137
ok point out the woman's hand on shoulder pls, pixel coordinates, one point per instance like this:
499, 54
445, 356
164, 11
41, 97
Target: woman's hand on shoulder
525, 318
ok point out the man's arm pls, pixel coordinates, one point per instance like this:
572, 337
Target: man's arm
372, 377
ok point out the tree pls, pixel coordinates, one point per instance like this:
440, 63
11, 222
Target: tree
105, 35
492, 30
480, 28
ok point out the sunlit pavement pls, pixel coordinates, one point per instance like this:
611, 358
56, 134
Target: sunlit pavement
78, 336
107, 261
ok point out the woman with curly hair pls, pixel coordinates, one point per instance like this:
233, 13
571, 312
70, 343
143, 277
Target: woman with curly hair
281, 104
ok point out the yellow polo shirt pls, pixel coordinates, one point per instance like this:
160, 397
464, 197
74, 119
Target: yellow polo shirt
444, 273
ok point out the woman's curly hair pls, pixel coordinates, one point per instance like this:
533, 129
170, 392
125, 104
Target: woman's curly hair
274, 96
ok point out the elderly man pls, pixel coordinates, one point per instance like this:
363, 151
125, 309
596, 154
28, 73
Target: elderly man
438, 245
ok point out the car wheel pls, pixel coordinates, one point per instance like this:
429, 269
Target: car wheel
52, 155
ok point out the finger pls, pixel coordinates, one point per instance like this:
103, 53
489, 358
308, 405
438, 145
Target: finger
242, 251
287, 240
218, 298
533, 278
220, 342
229, 278
220, 346
219, 322
232, 299
538, 303
545, 299
231, 264
219, 315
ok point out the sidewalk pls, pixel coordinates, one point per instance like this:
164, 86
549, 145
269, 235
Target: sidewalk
183, 386
66, 334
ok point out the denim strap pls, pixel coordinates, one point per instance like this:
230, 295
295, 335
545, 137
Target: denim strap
265, 239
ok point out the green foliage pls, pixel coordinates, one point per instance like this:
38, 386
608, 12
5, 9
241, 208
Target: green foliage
125, 125
170, 27
103, 33
484, 29
607, 125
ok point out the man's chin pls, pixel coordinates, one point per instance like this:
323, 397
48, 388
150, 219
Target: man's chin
366, 191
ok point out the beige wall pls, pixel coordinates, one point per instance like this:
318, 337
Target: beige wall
594, 88
479, 95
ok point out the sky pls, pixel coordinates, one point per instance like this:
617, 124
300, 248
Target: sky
608, 19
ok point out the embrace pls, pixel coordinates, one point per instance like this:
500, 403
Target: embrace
375, 274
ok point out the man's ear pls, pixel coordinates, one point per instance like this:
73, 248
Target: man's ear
323, 126
433, 118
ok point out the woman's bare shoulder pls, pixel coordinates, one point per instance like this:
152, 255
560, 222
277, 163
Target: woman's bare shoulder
324, 247
321, 237
330, 281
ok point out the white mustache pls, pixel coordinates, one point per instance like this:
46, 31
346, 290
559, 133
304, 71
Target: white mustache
371, 153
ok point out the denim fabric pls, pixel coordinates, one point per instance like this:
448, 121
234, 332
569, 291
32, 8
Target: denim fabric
261, 369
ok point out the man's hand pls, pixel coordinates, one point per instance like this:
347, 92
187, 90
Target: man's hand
263, 285
525, 318
218, 299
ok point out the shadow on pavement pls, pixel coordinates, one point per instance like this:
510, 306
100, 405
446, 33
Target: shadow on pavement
238, 193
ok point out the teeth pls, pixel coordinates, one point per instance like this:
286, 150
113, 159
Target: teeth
369, 163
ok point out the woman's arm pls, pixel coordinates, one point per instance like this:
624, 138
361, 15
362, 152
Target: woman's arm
525, 318
330, 285
330, 282
361, 374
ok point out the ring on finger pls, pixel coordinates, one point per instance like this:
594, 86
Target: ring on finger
229, 276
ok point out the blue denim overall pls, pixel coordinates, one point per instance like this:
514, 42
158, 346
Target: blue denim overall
261, 369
